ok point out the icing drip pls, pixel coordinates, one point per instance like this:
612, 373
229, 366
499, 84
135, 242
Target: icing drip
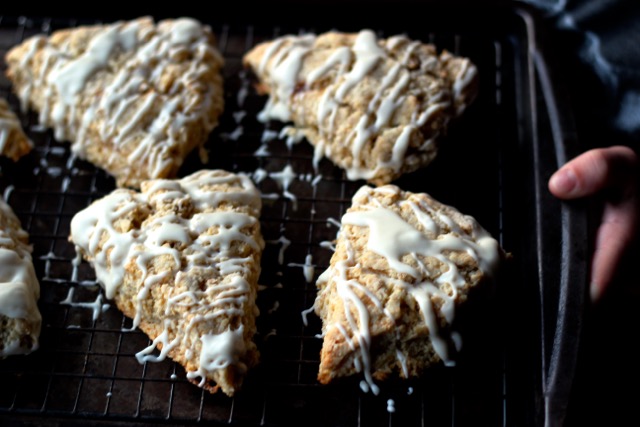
405, 249
194, 247
308, 269
96, 306
219, 351
284, 71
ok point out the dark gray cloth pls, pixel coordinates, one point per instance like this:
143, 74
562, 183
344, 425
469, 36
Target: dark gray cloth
605, 34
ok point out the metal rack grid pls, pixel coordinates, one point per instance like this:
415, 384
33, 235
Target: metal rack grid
86, 370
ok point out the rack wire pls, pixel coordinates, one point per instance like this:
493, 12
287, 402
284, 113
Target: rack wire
86, 369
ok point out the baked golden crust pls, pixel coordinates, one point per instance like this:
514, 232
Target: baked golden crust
134, 97
375, 107
182, 258
20, 319
13, 141
403, 263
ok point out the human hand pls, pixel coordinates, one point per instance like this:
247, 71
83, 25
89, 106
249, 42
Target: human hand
611, 173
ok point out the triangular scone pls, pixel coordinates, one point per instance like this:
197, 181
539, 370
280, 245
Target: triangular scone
375, 107
20, 319
403, 263
134, 97
182, 259
13, 141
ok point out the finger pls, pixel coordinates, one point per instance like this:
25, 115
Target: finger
594, 171
615, 235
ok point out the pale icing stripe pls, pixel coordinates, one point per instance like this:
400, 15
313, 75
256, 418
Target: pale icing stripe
282, 62
392, 237
94, 232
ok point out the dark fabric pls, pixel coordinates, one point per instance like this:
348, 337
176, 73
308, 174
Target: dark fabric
603, 36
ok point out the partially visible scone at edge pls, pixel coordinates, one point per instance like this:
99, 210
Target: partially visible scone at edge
133, 97
13, 141
182, 259
20, 319
403, 264
375, 107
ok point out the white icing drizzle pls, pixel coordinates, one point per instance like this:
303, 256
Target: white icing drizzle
145, 354
391, 406
259, 175
334, 222
239, 115
97, 307
219, 351
305, 313
244, 88
19, 287
274, 308
402, 359
328, 245
350, 66
236, 134
271, 333
293, 136
148, 51
308, 268
47, 264
285, 244
95, 232
262, 151
393, 238
284, 71
268, 135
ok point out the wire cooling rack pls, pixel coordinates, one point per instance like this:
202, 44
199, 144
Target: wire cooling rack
86, 371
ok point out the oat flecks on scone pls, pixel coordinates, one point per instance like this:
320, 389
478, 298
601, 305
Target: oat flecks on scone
13, 141
182, 259
375, 107
20, 319
134, 97
403, 263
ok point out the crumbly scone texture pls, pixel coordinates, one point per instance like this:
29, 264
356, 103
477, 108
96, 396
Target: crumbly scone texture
20, 319
376, 298
182, 258
133, 97
14, 143
375, 107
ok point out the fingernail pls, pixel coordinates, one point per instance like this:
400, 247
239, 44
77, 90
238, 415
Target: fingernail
564, 181
595, 291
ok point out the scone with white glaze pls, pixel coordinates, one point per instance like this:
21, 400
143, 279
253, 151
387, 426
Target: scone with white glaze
375, 107
14, 143
133, 97
182, 259
20, 319
403, 264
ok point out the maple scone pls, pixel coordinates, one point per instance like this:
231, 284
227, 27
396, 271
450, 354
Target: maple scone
133, 97
375, 107
13, 141
20, 319
182, 259
403, 264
